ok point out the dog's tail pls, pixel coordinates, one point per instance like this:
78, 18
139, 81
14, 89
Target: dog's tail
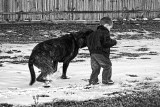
32, 72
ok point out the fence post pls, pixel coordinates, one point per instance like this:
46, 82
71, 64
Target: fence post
72, 8
6, 9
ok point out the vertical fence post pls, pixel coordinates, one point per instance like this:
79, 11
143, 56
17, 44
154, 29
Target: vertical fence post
72, 8
6, 10
112, 1
42, 4
103, 8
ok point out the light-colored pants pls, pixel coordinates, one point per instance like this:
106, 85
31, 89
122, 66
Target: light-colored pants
98, 61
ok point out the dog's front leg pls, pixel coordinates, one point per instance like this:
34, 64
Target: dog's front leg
65, 66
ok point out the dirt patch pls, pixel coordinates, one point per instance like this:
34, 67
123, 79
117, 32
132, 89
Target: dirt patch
135, 55
128, 46
4, 57
27, 33
142, 49
132, 75
83, 55
19, 62
15, 60
145, 58
1, 65
80, 60
152, 53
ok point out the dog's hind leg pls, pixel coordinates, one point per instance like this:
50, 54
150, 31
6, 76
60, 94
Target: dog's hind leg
54, 66
65, 66
46, 70
41, 77
45, 64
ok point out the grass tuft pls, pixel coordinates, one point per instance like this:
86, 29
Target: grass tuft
136, 99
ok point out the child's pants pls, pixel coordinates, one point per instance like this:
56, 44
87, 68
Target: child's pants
98, 61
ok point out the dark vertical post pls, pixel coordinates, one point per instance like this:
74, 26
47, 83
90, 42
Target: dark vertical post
112, 1
58, 9
69, 8
103, 8
6, 10
42, 4
72, 8
49, 10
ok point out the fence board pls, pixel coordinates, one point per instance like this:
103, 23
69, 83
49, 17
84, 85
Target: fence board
77, 9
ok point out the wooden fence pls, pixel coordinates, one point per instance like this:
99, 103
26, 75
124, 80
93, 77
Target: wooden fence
20, 10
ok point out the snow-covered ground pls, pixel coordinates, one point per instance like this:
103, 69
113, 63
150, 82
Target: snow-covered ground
135, 67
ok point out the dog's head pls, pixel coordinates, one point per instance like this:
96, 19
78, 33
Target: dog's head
81, 37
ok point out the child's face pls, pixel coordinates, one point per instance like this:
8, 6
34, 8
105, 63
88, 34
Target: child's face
108, 26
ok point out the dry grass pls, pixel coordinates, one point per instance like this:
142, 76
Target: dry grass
136, 99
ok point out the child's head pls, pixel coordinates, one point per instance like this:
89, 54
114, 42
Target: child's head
107, 22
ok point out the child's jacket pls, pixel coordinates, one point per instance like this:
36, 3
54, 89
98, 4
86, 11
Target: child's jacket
99, 42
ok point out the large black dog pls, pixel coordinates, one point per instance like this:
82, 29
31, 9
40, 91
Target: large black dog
47, 54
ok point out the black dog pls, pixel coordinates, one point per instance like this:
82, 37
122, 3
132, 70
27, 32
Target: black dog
47, 54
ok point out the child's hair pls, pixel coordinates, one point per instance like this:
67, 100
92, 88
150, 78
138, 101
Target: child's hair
106, 20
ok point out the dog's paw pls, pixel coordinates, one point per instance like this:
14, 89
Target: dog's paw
41, 80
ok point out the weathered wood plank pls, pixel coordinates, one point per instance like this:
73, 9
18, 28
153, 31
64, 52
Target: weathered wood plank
77, 9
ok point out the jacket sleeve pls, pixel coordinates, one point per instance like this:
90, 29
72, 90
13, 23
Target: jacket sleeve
109, 43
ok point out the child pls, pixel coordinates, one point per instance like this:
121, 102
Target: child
99, 43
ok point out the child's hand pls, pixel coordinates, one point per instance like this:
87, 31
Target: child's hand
114, 37
118, 42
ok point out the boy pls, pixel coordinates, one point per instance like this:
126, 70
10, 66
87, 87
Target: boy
99, 43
